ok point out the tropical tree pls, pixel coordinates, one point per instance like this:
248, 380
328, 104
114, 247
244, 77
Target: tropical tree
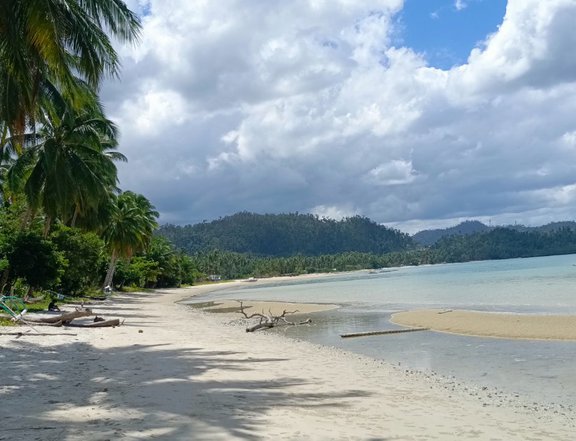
129, 229
47, 44
67, 168
84, 254
35, 260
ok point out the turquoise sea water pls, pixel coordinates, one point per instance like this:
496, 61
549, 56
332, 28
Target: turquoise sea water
540, 371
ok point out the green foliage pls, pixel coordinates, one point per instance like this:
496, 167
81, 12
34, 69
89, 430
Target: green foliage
505, 243
287, 235
67, 168
139, 272
85, 259
131, 224
161, 266
48, 44
35, 260
129, 229
57, 149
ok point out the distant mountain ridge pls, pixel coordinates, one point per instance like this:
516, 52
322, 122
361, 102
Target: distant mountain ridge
467, 228
430, 237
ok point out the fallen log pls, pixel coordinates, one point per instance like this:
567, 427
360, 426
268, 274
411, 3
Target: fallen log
30, 323
385, 332
41, 334
101, 324
64, 317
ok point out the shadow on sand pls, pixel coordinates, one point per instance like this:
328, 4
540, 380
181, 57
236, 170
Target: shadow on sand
141, 392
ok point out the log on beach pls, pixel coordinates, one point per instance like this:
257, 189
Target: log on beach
37, 334
101, 324
67, 319
385, 332
63, 317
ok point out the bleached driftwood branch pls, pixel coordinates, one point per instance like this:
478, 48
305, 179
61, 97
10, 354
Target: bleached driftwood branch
270, 320
65, 319
62, 318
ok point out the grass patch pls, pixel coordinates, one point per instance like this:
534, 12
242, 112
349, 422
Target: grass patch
6, 321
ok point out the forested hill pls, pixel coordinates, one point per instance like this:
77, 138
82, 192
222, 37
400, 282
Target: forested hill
505, 243
467, 228
430, 237
287, 235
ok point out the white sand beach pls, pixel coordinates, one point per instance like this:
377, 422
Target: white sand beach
175, 373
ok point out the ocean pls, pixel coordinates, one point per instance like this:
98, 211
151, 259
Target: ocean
535, 371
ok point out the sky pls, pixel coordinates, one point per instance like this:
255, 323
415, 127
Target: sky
417, 113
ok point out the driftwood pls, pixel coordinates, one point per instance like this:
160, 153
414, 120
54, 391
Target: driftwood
41, 334
385, 332
270, 320
99, 324
63, 318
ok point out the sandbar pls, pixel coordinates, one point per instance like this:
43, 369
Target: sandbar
491, 324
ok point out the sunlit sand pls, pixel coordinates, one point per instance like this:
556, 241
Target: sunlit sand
490, 324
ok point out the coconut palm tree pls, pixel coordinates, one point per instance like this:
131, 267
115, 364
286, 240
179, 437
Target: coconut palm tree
67, 168
56, 42
129, 230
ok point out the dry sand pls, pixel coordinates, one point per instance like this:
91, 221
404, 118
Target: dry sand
175, 373
490, 324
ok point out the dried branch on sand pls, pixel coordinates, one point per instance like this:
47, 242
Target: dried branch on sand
270, 320
65, 318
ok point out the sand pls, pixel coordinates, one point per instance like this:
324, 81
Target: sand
264, 307
176, 373
490, 324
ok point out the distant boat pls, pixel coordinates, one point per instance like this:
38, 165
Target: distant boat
251, 279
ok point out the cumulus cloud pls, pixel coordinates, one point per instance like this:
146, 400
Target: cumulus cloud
460, 4
307, 105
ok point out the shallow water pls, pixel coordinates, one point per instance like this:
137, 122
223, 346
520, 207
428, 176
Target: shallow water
540, 371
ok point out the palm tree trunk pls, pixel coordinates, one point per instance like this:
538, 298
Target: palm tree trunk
4, 280
27, 218
47, 224
111, 269
3, 138
75, 216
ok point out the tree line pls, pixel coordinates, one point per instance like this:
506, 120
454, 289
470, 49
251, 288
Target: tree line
65, 223
497, 243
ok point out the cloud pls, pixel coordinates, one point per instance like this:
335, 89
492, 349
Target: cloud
460, 5
307, 105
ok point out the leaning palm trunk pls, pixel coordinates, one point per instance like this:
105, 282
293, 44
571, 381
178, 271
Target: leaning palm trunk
111, 269
47, 225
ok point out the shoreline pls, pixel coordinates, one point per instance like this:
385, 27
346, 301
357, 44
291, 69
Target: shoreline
491, 324
263, 306
172, 372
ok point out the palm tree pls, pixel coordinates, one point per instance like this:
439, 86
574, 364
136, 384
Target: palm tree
129, 229
55, 42
67, 168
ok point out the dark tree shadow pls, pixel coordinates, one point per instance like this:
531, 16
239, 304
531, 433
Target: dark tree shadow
156, 394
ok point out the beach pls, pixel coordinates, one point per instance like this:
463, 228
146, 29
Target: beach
490, 324
177, 373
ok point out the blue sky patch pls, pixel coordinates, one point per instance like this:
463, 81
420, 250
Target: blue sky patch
445, 31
